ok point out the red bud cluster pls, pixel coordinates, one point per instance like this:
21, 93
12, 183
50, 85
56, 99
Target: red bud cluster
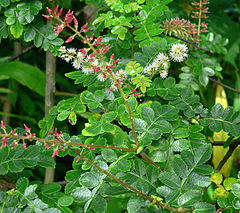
181, 27
201, 12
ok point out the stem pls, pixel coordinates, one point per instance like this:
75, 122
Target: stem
224, 85
50, 90
19, 54
234, 144
163, 205
4, 203
25, 197
111, 75
189, 42
199, 17
68, 143
65, 94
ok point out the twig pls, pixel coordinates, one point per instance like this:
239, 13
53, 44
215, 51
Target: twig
68, 142
65, 93
224, 85
189, 42
12, 58
233, 145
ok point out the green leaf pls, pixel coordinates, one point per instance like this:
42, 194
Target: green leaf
147, 114
180, 145
4, 152
180, 133
63, 115
25, 74
189, 198
22, 184
228, 182
89, 180
158, 156
217, 111
169, 82
16, 29
4, 3
28, 10
65, 200
134, 204
121, 165
99, 204
81, 194
50, 188
204, 208
94, 129
132, 104
109, 155
236, 189
170, 179
202, 154
140, 125
30, 190
195, 128
109, 116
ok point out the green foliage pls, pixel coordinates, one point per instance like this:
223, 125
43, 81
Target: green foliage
141, 140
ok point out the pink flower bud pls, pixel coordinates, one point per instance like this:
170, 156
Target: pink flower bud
47, 16
69, 39
112, 56
136, 94
126, 102
133, 90
75, 22
102, 45
56, 9
14, 131
117, 60
2, 125
110, 89
96, 68
84, 26
91, 148
56, 134
46, 145
92, 36
60, 12
78, 158
26, 128
62, 148
49, 11
24, 146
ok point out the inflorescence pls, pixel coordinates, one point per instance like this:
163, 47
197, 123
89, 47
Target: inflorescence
178, 53
90, 60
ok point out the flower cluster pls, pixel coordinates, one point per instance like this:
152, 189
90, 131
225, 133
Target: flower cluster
181, 27
14, 143
178, 53
201, 13
89, 63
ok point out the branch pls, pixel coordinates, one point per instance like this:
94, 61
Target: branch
224, 85
68, 142
12, 58
233, 145
163, 205
189, 42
